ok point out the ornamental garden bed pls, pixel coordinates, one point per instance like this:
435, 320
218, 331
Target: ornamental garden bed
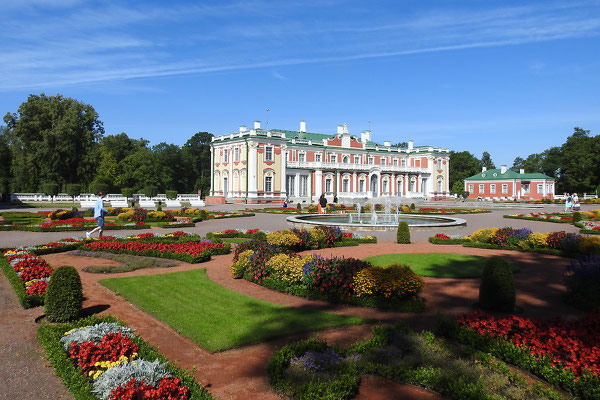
311, 369
67, 225
523, 239
275, 264
566, 353
228, 319
100, 358
556, 217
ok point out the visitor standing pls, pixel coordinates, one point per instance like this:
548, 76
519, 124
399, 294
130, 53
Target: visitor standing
568, 202
99, 212
576, 206
322, 204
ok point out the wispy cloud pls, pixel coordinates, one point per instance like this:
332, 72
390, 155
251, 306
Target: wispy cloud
49, 44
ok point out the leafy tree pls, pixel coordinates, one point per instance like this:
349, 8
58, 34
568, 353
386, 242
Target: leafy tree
112, 170
486, 161
150, 191
5, 161
73, 189
580, 158
50, 188
52, 138
196, 155
462, 165
401, 144
170, 168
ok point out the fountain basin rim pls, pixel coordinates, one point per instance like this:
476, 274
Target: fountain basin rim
303, 221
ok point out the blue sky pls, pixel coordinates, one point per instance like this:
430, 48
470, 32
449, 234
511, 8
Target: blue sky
510, 78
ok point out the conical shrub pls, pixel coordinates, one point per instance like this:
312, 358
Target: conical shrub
403, 235
497, 289
64, 295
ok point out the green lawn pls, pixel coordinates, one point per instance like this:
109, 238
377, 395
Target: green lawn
235, 240
436, 265
215, 317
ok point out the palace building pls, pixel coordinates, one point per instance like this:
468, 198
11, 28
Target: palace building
505, 184
270, 166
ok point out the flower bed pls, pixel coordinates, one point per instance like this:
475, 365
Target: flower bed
545, 217
192, 252
556, 243
566, 353
99, 358
28, 275
341, 280
280, 210
310, 369
72, 224
430, 210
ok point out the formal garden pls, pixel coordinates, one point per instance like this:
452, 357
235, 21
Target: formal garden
232, 290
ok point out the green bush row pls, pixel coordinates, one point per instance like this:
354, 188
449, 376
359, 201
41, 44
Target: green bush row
435, 240
78, 384
479, 245
26, 300
170, 225
556, 221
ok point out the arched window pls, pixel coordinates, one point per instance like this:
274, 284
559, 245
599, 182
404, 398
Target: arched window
269, 176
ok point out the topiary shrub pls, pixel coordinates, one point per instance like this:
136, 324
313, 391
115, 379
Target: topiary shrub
403, 235
412, 206
64, 296
577, 216
260, 235
299, 206
497, 289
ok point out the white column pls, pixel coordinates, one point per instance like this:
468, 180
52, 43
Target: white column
230, 176
212, 171
297, 184
355, 182
318, 183
252, 172
283, 170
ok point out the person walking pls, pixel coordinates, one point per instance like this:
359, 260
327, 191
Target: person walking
99, 212
322, 204
576, 206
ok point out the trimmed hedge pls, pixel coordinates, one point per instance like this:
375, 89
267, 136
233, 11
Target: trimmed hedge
403, 234
78, 384
26, 300
497, 290
64, 296
435, 240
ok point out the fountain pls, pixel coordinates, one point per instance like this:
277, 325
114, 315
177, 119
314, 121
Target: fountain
387, 220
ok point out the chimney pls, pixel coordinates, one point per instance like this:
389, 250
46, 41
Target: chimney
503, 169
410, 144
365, 136
522, 171
302, 126
340, 129
243, 128
483, 169
256, 124
387, 143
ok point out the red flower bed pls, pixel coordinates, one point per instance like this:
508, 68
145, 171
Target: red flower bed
28, 274
574, 344
38, 287
30, 262
146, 235
65, 222
441, 236
168, 388
229, 231
192, 248
111, 348
179, 233
20, 256
347, 235
251, 231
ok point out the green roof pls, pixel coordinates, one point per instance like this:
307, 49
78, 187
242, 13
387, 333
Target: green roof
496, 174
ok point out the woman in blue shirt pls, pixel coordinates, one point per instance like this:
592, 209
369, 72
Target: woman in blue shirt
99, 212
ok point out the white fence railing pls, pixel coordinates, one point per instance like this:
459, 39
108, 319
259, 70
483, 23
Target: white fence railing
63, 197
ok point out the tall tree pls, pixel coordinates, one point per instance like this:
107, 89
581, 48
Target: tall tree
486, 161
196, 154
462, 165
53, 138
5, 161
580, 158
114, 149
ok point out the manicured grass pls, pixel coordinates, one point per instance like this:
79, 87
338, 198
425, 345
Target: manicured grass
215, 317
436, 265
235, 240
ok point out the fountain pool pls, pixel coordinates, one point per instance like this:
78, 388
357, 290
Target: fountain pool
373, 221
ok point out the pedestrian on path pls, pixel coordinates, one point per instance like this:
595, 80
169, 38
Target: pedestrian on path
99, 212
322, 204
568, 202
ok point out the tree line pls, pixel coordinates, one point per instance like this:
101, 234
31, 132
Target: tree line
55, 144
575, 164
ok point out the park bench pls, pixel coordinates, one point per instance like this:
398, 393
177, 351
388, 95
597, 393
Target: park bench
119, 203
197, 203
147, 204
173, 203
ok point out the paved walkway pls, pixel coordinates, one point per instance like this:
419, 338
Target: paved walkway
240, 373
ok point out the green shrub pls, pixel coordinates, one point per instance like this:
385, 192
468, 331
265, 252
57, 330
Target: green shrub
412, 206
171, 194
403, 235
299, 206
577, 217
64, 296
260, 235
497, 289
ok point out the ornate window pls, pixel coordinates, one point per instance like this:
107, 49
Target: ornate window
269, 181
236, 154
302, 157
225, 156
268, 153
318, 157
